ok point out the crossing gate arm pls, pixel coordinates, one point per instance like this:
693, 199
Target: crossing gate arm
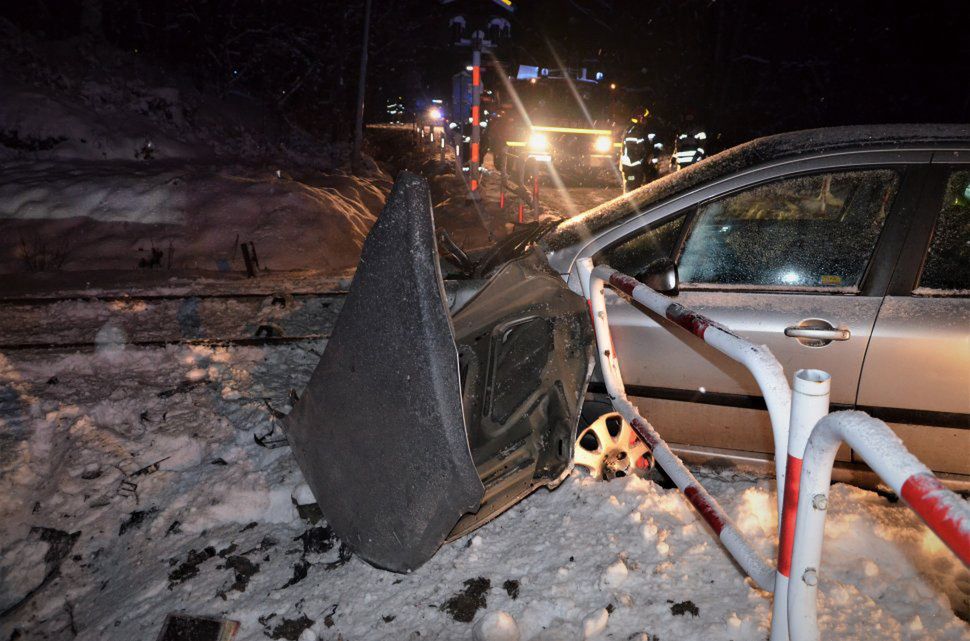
594, 279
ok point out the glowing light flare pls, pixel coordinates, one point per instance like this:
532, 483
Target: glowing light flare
538, 141
516, 100
615, 170
572, 130
791, 278
602, 144
434, 113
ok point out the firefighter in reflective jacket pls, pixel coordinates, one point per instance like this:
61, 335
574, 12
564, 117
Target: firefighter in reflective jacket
688, 149
641, 151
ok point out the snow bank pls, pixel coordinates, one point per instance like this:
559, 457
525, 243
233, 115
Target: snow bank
111, 215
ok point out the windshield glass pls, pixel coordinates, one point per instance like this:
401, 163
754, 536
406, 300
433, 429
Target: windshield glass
747, 155
550, 102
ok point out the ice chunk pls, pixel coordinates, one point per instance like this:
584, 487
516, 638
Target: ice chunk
595, 623
614, 576
302, 495
496, 626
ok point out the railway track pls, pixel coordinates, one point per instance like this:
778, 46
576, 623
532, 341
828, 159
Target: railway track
82, 323
125, 298
244, 341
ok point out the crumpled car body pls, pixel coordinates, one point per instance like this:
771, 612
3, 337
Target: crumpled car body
435, 408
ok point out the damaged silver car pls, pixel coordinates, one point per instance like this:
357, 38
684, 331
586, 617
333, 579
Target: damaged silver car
439, 403
434, 410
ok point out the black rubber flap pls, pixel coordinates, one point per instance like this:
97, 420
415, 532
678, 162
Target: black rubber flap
379, 431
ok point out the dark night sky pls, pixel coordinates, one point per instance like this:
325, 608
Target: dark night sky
750, 67
742, 67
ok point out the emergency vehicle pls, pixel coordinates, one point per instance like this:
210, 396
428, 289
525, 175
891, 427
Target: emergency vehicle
559, 121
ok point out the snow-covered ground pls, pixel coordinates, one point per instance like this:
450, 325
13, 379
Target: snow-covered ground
131, 480
65, 215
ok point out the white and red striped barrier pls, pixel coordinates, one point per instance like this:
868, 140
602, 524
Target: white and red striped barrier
758, 359
810, 402
942, 510
801, 426
593, 280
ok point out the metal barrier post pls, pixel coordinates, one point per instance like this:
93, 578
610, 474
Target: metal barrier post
810, 402
942, 510
535, 191
758, 359
473, 165
800, 422
749, 560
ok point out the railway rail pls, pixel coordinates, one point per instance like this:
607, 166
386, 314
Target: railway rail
159, 320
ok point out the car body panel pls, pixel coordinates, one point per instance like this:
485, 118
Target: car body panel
919, 360
671, 360
526, 350
379, 431
931, 336
668, 369
651, 355
422, 421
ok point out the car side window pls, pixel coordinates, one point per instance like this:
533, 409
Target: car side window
808, 232
635, 254
946, 269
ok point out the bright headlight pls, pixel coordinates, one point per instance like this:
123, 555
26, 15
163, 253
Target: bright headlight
603, 144
435, 113
538, 142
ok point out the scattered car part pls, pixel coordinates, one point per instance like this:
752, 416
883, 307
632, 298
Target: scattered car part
525, 348
185, 627
609, 448
471, 412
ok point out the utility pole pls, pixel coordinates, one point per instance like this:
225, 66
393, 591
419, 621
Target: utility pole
359, 125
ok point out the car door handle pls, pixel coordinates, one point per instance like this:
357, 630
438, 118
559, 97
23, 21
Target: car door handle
819, 333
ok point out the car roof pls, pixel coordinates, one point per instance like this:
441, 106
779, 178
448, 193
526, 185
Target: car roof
748, 155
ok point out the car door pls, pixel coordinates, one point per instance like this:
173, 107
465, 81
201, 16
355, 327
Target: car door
797, 254
916, 374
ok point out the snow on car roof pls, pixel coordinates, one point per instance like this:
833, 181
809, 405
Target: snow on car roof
748, 155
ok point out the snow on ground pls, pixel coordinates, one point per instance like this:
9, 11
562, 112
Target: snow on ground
72, 215
132, 480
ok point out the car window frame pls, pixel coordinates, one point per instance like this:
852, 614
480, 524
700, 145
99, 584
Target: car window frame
688, 216
919, 234
901, 173
923, 233
909, 159
881, 262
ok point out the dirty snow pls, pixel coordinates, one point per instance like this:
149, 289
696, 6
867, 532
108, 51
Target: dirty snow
149, 456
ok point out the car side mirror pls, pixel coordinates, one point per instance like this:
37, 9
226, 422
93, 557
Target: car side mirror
661, 275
